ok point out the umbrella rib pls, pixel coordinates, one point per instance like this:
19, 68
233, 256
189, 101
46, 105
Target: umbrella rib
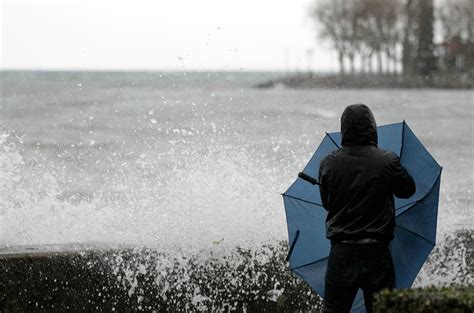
403, 139
426, 195
406, 229
334, 142
418, 235
401, 149
296, 198
408, 204
320, 260
431, 189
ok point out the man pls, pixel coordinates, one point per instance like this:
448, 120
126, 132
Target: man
358, 183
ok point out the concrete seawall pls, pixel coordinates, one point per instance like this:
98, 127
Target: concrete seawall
143, 280
100, 279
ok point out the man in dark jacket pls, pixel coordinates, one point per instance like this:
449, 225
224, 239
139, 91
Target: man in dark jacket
358, 183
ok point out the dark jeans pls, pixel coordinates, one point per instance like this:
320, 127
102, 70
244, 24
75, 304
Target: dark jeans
351, 266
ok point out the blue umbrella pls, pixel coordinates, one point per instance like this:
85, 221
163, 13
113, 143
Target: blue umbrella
416, 217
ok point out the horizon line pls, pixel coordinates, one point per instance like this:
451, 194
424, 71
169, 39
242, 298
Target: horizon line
155, 70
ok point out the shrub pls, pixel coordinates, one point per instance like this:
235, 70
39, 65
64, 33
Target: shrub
458, 299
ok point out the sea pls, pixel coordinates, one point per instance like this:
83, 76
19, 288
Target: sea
195, 161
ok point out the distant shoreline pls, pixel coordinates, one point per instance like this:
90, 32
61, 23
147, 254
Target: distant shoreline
309, 80
259, 79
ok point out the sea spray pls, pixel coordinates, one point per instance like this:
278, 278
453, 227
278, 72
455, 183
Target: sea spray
143, 279
202, 173
451, 262
94, 167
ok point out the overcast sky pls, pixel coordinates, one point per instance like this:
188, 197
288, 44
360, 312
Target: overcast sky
161, 35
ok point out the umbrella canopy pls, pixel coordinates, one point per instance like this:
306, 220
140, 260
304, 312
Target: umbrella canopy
416, 217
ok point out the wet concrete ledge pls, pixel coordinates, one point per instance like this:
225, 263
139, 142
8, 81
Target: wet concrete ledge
124, 279
143, 280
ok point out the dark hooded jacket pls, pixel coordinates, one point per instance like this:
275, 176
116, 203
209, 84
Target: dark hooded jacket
359, 181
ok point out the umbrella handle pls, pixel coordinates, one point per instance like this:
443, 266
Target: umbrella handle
292, 245
308, 178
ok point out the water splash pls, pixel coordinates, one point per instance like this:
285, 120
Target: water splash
181, 174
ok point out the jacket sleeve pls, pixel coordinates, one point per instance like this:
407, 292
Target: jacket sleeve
323, 190
403, 185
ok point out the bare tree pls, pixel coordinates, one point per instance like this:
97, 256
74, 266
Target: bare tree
410, 40
457, 20
426, 62
354, 31
381, 31
392, 32
337, 20
369, 27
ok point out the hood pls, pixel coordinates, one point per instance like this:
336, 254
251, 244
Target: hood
358, 127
